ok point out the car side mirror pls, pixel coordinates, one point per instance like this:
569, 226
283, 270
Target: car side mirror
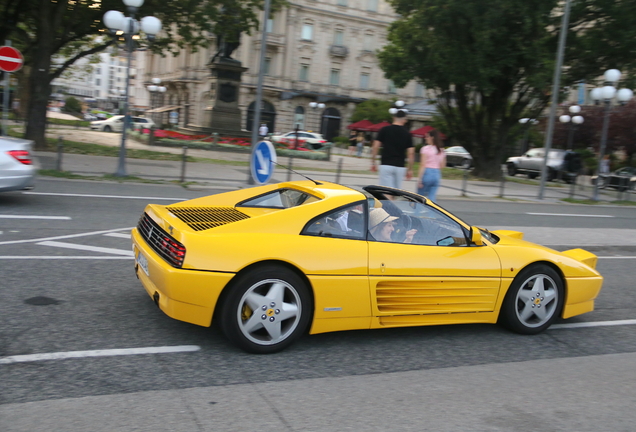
475, 236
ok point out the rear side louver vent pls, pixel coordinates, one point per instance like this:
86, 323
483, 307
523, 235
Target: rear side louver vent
202, 218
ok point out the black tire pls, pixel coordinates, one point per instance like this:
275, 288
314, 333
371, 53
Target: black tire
107, 129
532, 176
266, 309
512, 170
552, 174
530, 308
465, 164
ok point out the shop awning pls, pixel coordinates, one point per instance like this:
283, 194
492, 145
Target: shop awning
164, 109
421, 132
377, 127
362, 125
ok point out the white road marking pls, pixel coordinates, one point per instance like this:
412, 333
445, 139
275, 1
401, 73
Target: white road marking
34, 217
617, 257
98, 353
594, 324
570, 215
57, 257
86, 248
104, 196
118, 235
65, 236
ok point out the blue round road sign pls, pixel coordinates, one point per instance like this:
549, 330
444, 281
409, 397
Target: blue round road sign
262, 162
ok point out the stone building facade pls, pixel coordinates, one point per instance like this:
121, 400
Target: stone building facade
317, 51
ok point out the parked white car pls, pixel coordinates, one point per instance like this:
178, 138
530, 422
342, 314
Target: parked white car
116, 123
312, 140
17, 169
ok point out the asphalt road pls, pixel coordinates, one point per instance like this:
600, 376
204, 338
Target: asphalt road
55, 298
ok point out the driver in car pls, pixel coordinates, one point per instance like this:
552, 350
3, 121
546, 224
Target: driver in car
382, 225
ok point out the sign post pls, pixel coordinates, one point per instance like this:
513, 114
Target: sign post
262, 162
10, 61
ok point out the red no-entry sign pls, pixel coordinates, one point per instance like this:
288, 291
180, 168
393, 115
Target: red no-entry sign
10, 59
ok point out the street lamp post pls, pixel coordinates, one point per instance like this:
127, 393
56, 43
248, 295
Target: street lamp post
155, 90
574, 121
129, 28
316, 106
606, 94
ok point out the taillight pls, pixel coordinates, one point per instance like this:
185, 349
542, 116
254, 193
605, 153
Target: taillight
322, 141
21, 155
174, 249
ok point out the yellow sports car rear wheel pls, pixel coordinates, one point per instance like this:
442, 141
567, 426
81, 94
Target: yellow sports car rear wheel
266, 309
534, 300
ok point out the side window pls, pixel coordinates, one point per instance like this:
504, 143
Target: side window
345, 222
404, 221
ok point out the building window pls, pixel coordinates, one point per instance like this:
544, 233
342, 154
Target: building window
372, 5
338, 38
270, 25
334, 78
98, 82
267, 66
364, 80
368, 42
307, 32
391, 87
299, 118
419, 90
342, 2
98, 71
304, 72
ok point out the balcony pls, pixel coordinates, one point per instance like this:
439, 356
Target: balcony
338, 51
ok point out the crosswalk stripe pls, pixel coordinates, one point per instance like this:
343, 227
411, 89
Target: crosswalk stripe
86, 248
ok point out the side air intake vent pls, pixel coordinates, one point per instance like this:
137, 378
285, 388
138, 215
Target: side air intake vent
202, 218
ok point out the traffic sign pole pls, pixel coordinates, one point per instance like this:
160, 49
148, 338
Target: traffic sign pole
10, 61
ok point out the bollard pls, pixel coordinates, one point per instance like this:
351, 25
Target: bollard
215, 138
60, 150
502, 185
151, 136
624, 188
183, 164
329, 146
573, 185
464, 183
290, 164
338, 171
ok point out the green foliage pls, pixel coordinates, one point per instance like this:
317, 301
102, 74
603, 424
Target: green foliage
72, 105
374, 110
492, 64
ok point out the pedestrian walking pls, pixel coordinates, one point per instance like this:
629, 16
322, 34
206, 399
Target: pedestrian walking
353, 136
263, 130
397, 145
359, 144
432, 160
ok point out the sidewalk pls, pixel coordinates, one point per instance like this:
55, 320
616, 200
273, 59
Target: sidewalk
231, 177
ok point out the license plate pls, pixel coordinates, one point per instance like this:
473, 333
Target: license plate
142, 262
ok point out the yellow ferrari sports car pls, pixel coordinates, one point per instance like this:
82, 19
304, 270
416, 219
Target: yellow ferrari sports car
272, 262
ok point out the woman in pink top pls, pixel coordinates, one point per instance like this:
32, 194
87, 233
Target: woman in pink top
432, 160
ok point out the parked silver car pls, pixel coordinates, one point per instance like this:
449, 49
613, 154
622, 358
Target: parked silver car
531, 164
458, 156
17, 170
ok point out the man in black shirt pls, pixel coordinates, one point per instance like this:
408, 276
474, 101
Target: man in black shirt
397, 145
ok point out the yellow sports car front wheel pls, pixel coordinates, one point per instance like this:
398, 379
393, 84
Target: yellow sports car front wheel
534, 300
266, 309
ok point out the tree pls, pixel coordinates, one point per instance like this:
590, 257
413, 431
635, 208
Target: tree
490, 64
50, 30
374, 110
72, 105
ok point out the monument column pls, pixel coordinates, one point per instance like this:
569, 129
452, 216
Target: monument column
225, 117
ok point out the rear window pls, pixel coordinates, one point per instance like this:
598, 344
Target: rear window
281, 198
